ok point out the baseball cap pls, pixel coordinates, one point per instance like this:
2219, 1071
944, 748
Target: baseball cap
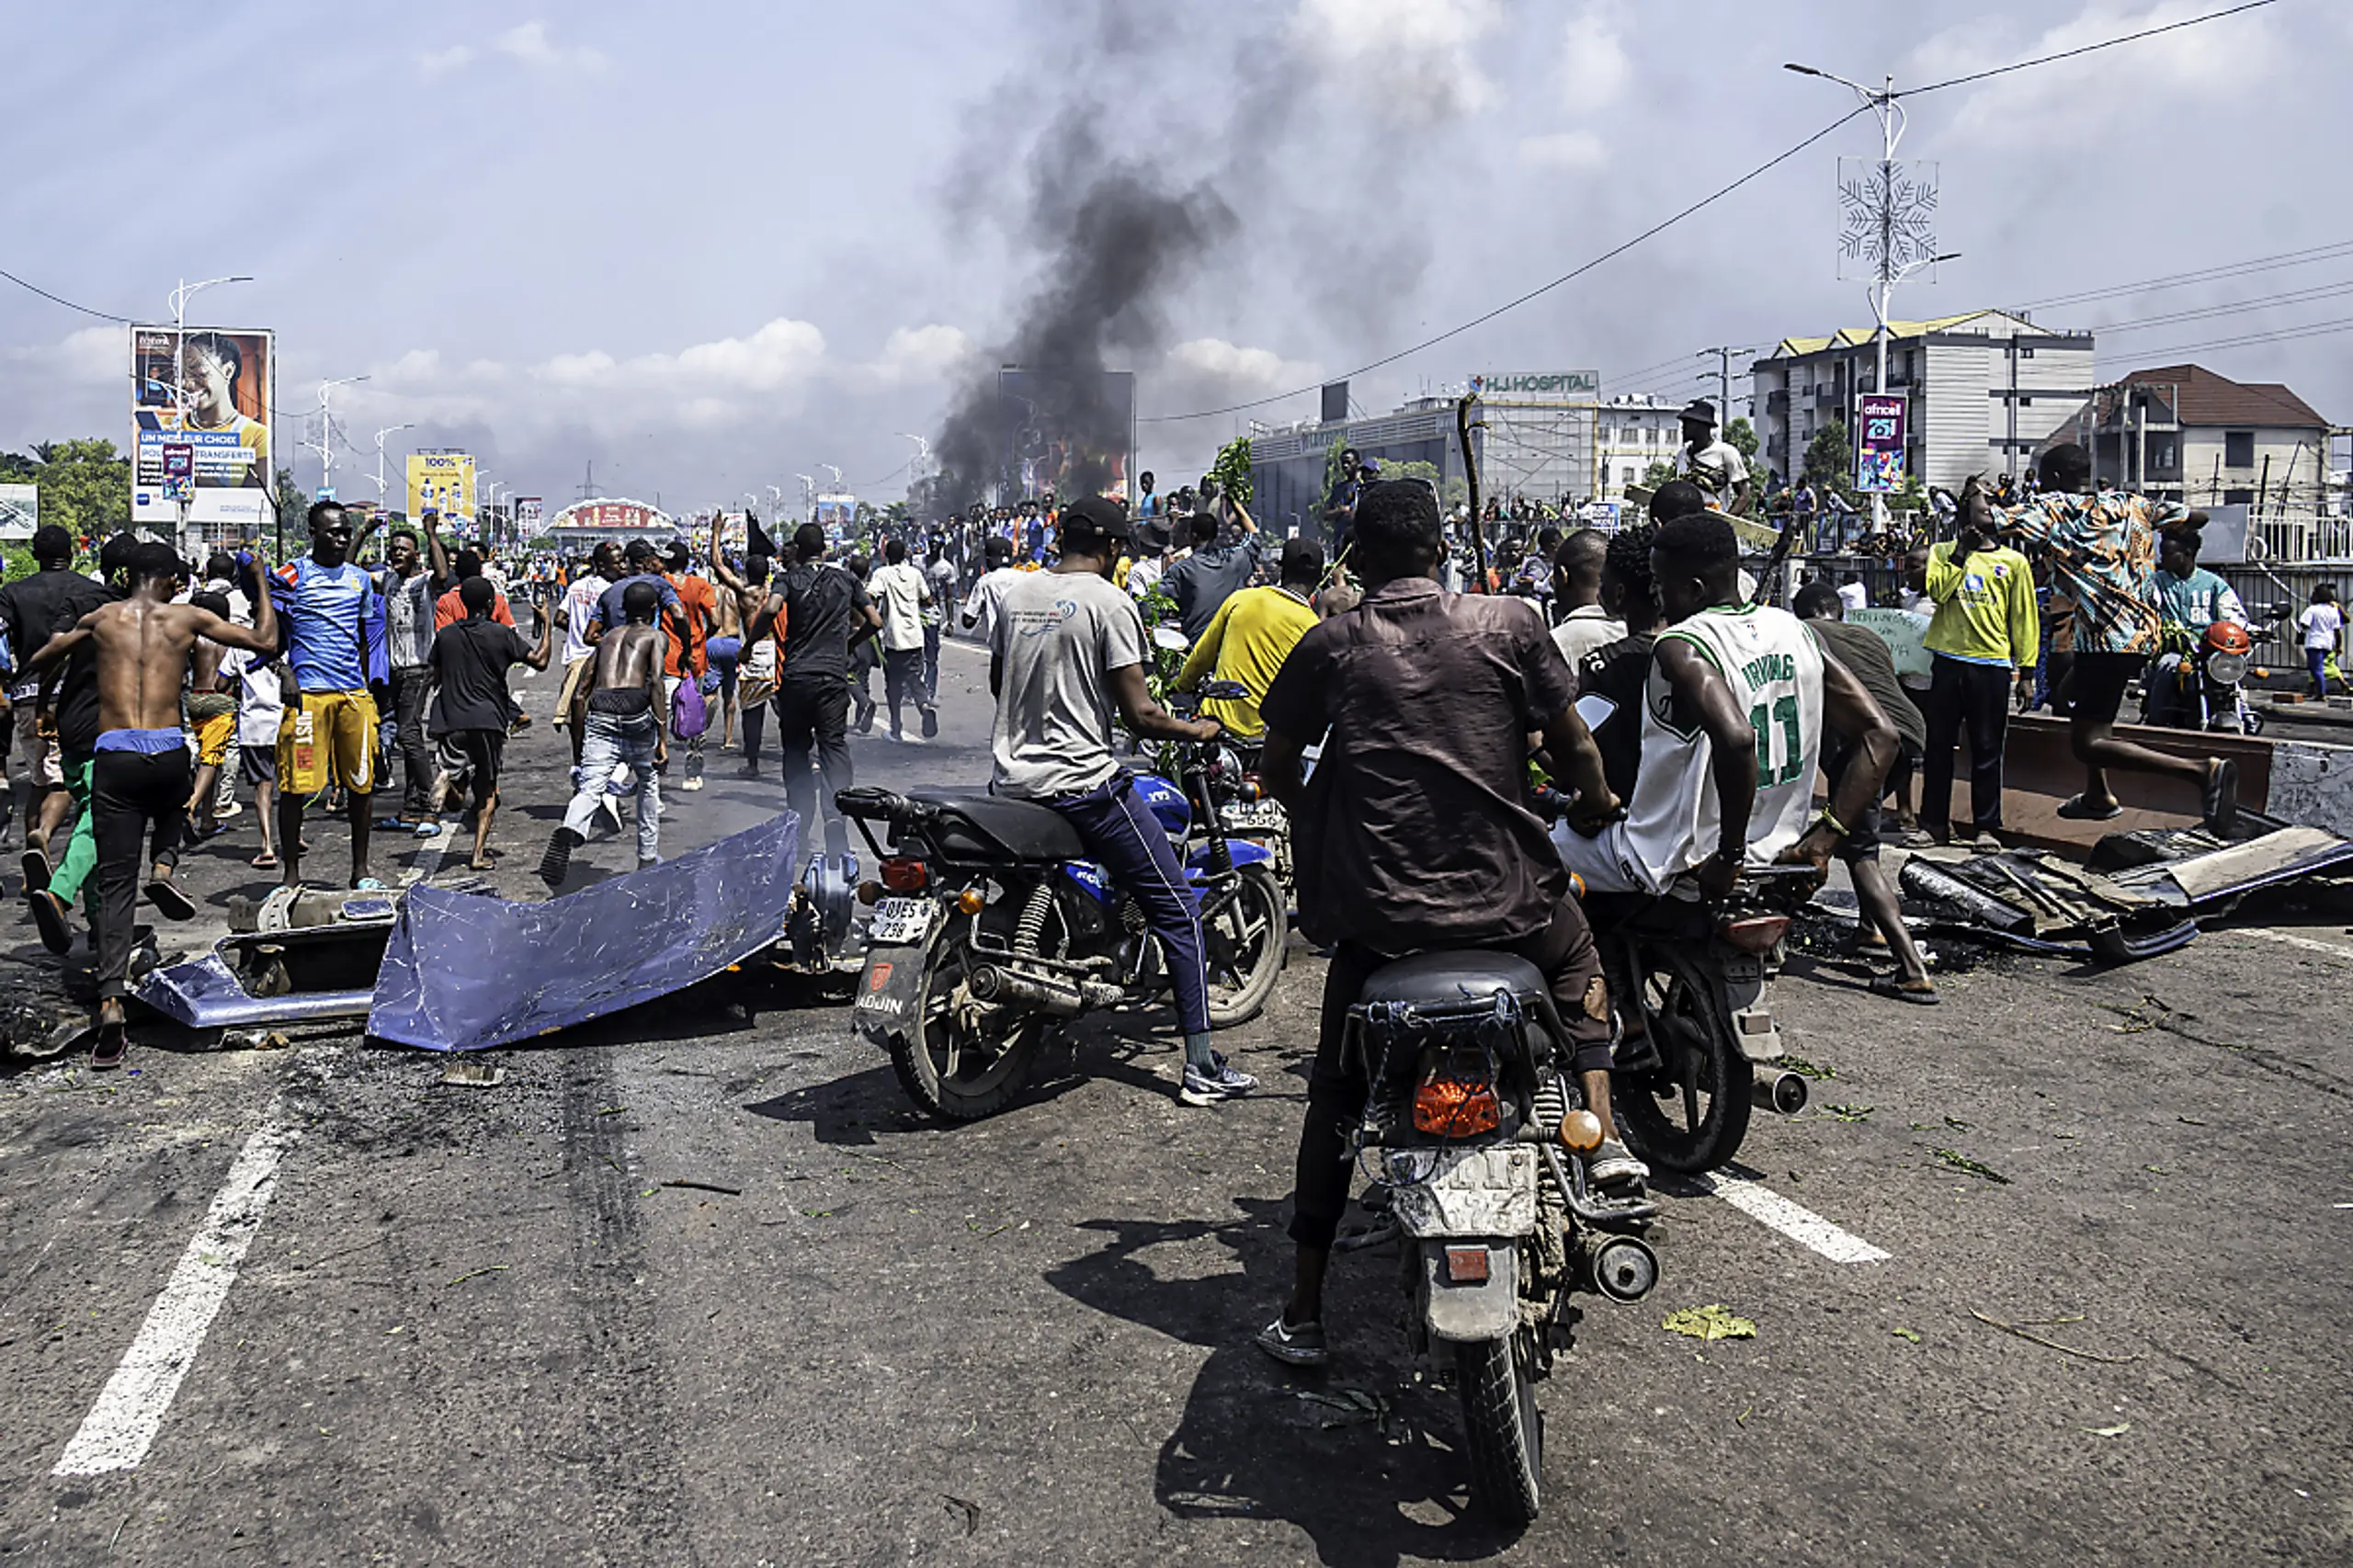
1098, 516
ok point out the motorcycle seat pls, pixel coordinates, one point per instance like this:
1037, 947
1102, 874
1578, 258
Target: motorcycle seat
994, 827
1452, 978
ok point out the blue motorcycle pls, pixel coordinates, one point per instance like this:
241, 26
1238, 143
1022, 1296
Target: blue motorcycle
990, 925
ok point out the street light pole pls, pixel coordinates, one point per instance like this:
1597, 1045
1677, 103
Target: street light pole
1883, 102
325, 448
387, 430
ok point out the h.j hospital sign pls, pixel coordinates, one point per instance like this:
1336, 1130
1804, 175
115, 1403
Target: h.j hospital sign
1542, 385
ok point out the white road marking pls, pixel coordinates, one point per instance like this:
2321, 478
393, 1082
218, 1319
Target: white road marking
2289, 938
430, 861
132, 1407
1801, 1224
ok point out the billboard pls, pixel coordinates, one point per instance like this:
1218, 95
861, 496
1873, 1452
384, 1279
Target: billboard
442, 480
1879, 441
200, 402
1068, 433
528, 514
610, 519
19, 510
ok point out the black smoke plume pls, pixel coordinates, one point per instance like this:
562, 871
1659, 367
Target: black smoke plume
1119, 237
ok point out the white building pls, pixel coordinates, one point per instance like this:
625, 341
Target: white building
2183, 432
1630, 432
1984, 391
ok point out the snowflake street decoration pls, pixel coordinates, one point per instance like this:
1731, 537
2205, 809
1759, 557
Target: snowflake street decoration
1887, 217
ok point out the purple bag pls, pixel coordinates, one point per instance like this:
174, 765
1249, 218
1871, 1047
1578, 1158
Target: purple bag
690, 717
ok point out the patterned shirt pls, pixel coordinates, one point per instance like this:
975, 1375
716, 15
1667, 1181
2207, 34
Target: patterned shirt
2103, 553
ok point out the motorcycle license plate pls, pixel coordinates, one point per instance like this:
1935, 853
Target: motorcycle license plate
1464, 1192
1254, 817
900, 921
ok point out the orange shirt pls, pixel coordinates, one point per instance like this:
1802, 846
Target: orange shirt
450, 609
701, 602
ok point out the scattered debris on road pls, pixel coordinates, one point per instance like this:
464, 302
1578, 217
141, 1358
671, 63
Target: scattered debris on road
1713, 1320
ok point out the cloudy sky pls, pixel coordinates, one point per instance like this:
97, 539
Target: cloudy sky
712, 243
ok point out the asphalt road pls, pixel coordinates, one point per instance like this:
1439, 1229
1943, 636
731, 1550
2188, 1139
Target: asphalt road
480, 1325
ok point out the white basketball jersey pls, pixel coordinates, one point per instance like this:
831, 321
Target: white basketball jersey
1771, 663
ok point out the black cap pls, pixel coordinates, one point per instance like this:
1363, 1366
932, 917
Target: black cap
1098, 516
640, 549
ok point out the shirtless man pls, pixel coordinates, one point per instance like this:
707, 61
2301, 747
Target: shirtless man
756, 656
724, 646
140, 772
628, 721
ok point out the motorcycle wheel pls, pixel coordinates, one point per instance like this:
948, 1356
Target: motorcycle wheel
947, 1065
1689, 1114
1243, 946
1505, 1429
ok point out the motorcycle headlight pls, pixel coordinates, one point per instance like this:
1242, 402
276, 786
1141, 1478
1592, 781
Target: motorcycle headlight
2227, 669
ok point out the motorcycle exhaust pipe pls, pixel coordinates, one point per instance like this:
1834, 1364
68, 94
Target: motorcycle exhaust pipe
996, 982
1623, 1268
1783, 1092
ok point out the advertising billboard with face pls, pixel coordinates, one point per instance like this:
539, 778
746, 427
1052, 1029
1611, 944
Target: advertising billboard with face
443, 482
204, 392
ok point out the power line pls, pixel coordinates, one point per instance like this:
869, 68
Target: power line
1707, 202
2086, 49
2206, 312
2207, 275
2278, 335
1610, 255
62, 300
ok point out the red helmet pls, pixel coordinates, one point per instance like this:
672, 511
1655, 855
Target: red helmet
2228, 637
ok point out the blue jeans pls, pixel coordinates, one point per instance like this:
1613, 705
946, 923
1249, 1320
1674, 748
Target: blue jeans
1119, 831
610, 740
2316, 665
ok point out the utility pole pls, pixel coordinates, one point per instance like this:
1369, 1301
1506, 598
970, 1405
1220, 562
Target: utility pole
180, 296
1724, 354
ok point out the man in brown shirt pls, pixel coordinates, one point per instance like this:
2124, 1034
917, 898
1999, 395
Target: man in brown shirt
1418, 831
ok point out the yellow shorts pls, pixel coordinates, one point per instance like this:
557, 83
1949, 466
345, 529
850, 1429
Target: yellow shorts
329, 736
212, 738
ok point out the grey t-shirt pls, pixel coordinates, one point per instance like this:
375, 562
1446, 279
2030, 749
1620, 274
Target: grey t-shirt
1056, 639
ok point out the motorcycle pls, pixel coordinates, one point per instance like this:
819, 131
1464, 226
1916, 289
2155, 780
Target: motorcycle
1691, 994
2201, 687
1480, 1132
1692, 988
990, 925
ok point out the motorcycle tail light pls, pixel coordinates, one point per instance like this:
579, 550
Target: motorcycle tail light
904, 875
1755, 933
1456, 1108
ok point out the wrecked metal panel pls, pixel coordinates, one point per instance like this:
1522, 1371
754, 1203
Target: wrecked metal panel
463, 972
204, 995
2290, 852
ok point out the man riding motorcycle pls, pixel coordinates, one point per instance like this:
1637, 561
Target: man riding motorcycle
2189, 599
1417, 832
1733, 714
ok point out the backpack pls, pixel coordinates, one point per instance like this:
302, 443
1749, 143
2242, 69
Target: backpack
688, 715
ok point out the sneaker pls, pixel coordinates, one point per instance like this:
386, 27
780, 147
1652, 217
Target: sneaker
931, 724
1299, 1345
1221, 1082
692, 784
1613, 1164
557, 861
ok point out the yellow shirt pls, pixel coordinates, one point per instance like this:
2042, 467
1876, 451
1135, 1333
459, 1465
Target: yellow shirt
1986, 612
1247, 640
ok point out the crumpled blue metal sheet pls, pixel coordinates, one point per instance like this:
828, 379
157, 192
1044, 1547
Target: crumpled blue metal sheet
464, 973
203, 994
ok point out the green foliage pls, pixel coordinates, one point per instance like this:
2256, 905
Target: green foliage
1830, 460
1742, 437
1160, 675
84, 485
1658, 473
1232, 470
